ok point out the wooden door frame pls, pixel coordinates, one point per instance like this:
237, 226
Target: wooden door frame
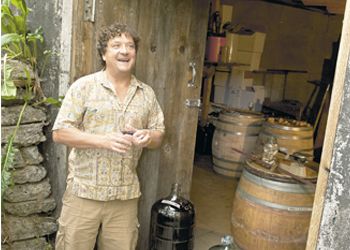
332, 123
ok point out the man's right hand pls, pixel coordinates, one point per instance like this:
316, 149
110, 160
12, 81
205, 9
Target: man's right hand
119, 142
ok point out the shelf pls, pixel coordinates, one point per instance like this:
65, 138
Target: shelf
279, 71
224, 64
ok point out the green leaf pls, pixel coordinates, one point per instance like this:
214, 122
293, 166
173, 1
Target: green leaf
15, 51
8, 88
21, 5
53, 101
36, 36
21, 24
7, 20
10, 38
6, 2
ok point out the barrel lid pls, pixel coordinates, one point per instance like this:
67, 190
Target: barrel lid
259, 170
287, 124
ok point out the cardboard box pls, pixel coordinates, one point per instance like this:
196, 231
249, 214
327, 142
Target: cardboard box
253, 43
240, 79
221, 78
247, 61
236, 79
219, 94
246, 98
241, 98
226, 14
259, 97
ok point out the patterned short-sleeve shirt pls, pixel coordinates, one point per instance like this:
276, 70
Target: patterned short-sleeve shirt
92, 106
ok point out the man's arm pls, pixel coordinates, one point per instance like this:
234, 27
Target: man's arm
156, 139
76, 138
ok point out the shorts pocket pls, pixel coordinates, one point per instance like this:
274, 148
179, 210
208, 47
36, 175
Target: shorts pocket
68, 194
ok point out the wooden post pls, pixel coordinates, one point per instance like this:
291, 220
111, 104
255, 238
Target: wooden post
208, 73
341, 82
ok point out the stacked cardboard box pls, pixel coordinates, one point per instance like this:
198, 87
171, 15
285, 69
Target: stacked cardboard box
221, 81
242, 93
244, 50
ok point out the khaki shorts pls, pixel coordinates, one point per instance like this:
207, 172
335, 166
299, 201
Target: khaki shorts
113, 223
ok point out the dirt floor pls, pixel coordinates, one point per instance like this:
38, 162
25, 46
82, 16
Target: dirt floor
212, 195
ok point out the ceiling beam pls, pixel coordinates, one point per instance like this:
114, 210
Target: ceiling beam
333, 6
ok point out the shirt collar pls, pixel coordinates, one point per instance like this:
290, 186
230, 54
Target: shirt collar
102, 79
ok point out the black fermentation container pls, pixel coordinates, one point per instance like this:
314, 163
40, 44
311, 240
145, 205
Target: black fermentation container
172, 222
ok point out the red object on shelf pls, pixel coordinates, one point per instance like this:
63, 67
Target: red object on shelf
213, 49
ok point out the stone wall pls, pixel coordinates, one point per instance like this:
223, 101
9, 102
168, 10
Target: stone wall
27, 203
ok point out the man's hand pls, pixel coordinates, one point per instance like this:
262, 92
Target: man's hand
142, 137
119, 142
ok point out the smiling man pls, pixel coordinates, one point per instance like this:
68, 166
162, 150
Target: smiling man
107, 118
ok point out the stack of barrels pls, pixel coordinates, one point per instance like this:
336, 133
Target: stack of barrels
271, 209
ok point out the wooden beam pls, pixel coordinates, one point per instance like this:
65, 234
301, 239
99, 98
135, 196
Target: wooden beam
208, 73
333, 6
334, 111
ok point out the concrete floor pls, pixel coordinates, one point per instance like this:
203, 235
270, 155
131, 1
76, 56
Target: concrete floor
212, 195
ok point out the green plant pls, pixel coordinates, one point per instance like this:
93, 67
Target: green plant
8, 88
18, 43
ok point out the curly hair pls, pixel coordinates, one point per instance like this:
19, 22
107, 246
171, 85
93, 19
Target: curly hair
114, 30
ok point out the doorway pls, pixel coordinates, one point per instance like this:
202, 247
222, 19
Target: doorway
296, 73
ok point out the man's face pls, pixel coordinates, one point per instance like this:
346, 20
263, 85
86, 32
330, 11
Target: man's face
120, 54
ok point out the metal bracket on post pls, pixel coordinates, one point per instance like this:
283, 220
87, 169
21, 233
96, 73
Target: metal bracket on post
193, 103
89, 10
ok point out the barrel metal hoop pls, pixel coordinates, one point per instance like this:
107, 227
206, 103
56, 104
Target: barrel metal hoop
267, 124
278, 186
286, 137
269, 204
237, 133
229, 169
236, 172
228, 161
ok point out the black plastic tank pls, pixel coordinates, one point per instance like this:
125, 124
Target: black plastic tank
172, 222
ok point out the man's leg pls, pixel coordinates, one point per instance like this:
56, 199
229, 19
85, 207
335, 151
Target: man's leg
119, 229
79, 223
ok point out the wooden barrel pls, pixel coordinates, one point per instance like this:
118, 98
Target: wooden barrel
289, 134
271, 211
238, 130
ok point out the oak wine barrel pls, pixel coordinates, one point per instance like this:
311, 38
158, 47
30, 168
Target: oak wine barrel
238, 129
271, 210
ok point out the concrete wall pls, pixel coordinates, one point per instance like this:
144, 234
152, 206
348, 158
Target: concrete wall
54, 17
296, 39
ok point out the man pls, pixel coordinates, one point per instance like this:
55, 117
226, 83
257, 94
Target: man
107, 118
